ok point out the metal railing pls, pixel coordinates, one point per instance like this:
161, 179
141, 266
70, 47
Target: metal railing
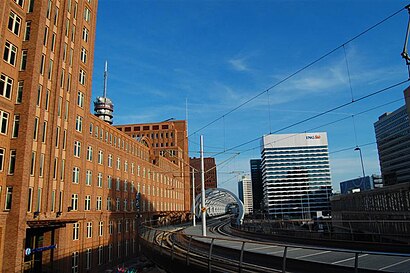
211, 253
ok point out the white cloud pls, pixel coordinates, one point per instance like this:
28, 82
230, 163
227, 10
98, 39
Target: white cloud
239, 64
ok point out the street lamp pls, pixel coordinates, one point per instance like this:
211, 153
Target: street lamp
361, 158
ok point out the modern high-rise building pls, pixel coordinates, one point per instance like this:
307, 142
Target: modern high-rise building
245, 193
296, 175
68, 179
209, 175
257, 186
393, 144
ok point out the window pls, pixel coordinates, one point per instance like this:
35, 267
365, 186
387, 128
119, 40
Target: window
109, 186
56, 16
90, 153
110, 227
64, 138
79, 124
53, 42
85, 34
12, 163
30, 6
38, 199
100, 228
89, 229
110, 160
100, 157
14, 23
27, 31
74, 201
35, 133
45, 38
72, 33
117, 187
48, 9
125, 185
30, 199
87, 202
125, 204
82, 76
50, 69
62, 170
99, 180
99, 203
74, 262
57, 136
19, 97
47, 102
109, 205
83, 55
32, 163
43, 57
119, 226
118, 163
100, 255
88, 258
88, 177
76, 175
10, 53
6, 86
23, 63
2, 153
110, 252
126, 166
77, 148
19, 2
76, 231
41, 167
9, 196
53, 200
80, 99
87, 14
39, 90
117, 204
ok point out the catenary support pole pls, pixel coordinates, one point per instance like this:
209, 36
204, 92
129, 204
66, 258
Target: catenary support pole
203, 208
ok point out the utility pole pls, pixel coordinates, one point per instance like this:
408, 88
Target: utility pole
203, 208
193, 197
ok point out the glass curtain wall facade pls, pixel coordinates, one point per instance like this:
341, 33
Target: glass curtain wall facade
296, 175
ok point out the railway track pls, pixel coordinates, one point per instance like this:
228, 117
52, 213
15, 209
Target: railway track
221, 251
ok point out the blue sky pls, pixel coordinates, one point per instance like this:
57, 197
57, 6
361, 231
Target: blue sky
218, 54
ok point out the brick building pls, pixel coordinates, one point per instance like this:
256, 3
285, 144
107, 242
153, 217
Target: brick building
210, 173
167, 139
67, 178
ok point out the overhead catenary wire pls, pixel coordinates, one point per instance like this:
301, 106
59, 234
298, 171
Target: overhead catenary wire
320, 114
299, 70
334, 122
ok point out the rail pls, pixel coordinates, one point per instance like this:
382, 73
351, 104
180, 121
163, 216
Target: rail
229, 255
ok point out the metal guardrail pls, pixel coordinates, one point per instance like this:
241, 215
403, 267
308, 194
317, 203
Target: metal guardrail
210, 259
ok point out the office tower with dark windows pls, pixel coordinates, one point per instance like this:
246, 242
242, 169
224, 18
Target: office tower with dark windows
68, 179
296, 175
257, 187
393, 144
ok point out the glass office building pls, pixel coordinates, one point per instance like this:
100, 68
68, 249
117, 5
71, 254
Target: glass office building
296, 175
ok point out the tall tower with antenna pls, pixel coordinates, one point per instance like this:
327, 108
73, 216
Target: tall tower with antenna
103, 106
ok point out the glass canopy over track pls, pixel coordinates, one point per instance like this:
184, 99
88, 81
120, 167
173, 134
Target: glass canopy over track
219, 202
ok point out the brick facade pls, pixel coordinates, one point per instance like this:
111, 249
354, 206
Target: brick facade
57, 167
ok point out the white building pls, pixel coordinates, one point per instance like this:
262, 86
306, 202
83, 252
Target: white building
296, 175
245, 193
